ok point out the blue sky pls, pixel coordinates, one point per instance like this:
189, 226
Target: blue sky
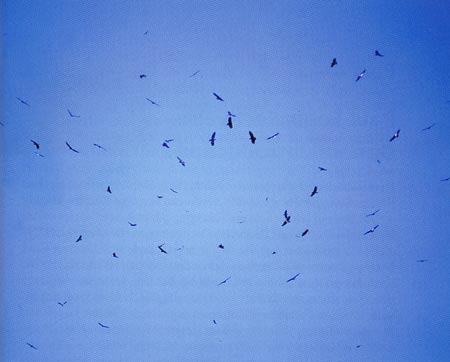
270, 62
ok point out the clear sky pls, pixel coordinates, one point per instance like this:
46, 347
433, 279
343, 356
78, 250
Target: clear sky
270, 62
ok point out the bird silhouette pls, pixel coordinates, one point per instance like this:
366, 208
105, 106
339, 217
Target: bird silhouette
181, 161
305, 232
214, 321
421, 260
322, 169
131, 224
446, 179
79, 238
153, 102
273, 136
396, 135
293, 278
63, 303
429, 127
71, 148
194, 74
221, 246
142, 76
358, 346
159, 196
231, 114
360, 75
31, 346
108, 190
224, 281
371, 230
314, 191
174, 191
252, 137
230, 122
287, 218
373, 213
35, 144
72, 115
115, 255
98, 146
165, 145
161, 249
38, 154
213, 138
102, 325
378, 54
334, 62
219, 98
22, 101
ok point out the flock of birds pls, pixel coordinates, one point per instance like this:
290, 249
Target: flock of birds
212, 140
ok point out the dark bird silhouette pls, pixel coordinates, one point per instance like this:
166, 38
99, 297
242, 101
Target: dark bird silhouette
71, 148
322, 169
359, 346
421, 260
305, 232
194, 74
446, 179
31, 346
165, 145
287, 218
72, 115
35, 144
360, 75
153, 102
378, 54
373, 213
115, 255
396, 134
142, 76
181, 162
38, 154
168, 141
378, 161
102, 325
274, 252
213, 138
371, 230
63, 303
214, 321
22, 101
221, 246
293, 278
314, 191
131, 224
273, 136
334, 62
161, 249
231, 114
159, 196
219, 98
429, 127
175, 192
79, 238
146, 32
224, 281
230, 122
252, 137
108, 190
98, 146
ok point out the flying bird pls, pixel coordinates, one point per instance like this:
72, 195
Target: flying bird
115, 255
287, 218
358, 346
98, 146
35, 144
22, 101
334, 62
273, 136
31, 346
153, 102
146, 32
373, 213
72, 115
213, 138
214, 321
224, 281
221, 246
252, 137
131, 224
429, 127
142, 76
194, 74
396, 134
175, 192
371, 230
102, 325
71, 148
219, 98
159, 196
165, 145
293, 278
314, 191
378, 54
169, 140
421, 260
231, 114
181, 162
108, 190
305, 232
63, 303
322, 169
360, 75
79, 238
446, 179
161, 249
38, 154
230, 122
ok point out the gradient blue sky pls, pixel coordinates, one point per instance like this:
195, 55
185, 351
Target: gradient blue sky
270, 62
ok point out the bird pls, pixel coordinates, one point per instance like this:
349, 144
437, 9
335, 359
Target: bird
38, 154
102, 325
63, 303
142, 76
396, 134
169, 140
174, 191
373, 213
231, 114
421, 260
146, 32
131, 224
72, 115
314, 191
152, 102
108, 190
293, 278
98, 146
221, 246
224, 281
71, 148
273, 136
181, 162
219, 98
159, 196
371, 230
22, 101
214, 321
161, 249
230, 122
287, 218
252, 137
35, 144
360, 75
334, 62
274, 252
194, 74
31, 346
446, 179
165, 145
428, 128
378, 54
79, 238
322, 169
115, 255
213, 138
305, 232
358, 346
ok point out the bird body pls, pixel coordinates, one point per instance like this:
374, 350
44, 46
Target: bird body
102, 325
161, 249
373, 213
181, 162
22, 101
396, 135
224, 281
153, 102
252, 137
219, 98
71, 148
213, 138
360, 75
293, 278
79, 238
31, 346
131, 224
72, 115
287, 218
115, 255
108, 190
35, 144
371, 230
322, 168
98, 146
230, 122
378, 54
273, 136
334, 62
305, 232
314, 191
